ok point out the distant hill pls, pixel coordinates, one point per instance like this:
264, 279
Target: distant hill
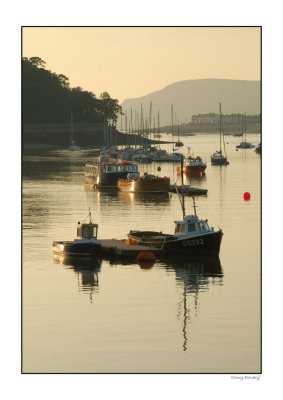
197, 96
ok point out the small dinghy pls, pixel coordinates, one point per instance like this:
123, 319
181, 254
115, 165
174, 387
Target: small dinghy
86, 244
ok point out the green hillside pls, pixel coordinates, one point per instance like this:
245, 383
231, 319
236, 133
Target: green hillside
48, 98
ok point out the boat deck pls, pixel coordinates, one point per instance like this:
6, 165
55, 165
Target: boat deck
119, 247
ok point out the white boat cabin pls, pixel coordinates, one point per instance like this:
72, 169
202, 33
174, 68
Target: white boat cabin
191, 226
86, 232
95, 168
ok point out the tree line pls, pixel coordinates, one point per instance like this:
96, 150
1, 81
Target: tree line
48, 98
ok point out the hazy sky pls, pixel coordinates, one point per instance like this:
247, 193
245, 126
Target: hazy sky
133, 62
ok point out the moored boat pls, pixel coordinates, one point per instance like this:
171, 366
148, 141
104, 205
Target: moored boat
245, 145
86, 244
258, 148
145, 184
218, 158
192, 236
192, 166
106, 175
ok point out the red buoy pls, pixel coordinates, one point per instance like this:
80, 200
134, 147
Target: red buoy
146, 256
146, 264
247, 196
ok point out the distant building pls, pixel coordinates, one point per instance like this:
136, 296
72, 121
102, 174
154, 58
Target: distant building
212, 118
204, 119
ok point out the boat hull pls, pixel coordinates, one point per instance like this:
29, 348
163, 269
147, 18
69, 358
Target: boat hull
200, 245
192, 170
105, 179
76, 249
156, 185
220, 161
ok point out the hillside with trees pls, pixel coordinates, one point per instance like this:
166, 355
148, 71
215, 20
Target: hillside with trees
47, 98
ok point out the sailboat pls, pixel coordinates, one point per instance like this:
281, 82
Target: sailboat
179, 143
218, 158
73, 146
245, 144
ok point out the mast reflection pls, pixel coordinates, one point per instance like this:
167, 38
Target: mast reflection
193, 276
86, 271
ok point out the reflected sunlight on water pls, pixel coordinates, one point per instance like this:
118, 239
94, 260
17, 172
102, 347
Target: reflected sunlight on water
177, 315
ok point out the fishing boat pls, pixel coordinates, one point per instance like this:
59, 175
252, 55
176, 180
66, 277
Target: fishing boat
146, 184
171, 157
218, 158
192, 236
73, 146
107, 174
192, 165
85, 245
143, 158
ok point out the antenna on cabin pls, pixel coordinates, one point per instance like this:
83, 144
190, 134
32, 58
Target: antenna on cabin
194, 205
89, 215
90, 219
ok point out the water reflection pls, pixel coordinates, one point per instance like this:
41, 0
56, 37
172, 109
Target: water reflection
86, 270
193, 276
146, 198
194, 179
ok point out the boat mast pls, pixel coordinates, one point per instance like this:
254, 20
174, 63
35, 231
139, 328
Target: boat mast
135, 140
150, 110
245, 127
121, 115
126, 127
220, 121
141, 127
132, 126
182, 180
223, 141
194, 205
172, 126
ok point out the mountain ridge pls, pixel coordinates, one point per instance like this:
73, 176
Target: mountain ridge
195, 96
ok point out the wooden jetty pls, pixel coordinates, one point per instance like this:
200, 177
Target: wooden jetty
188, 190
117, 247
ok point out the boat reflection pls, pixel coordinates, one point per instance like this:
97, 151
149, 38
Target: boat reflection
116, 260
86, 270
193, 179
197, 273
193, 276
147, 198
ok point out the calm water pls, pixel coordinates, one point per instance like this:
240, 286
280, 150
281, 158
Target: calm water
180, 315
